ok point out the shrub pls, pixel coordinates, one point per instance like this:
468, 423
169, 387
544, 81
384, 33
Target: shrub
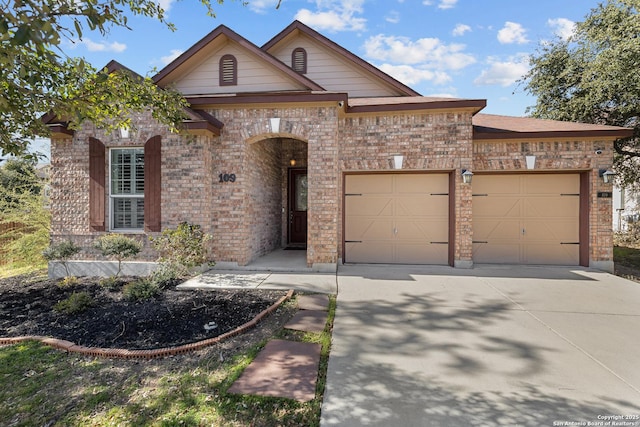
76, 303
183, 247
118, 246
61, 252
110, 283
141, 289
68, 281
167, 275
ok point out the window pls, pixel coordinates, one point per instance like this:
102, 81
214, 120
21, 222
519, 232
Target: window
299, 60
127, 188
228, 71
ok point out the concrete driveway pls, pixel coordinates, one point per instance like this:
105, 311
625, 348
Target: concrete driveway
527, 346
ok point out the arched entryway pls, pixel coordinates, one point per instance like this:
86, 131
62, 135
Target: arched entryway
276, 204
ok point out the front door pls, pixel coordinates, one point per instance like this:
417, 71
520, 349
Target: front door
298, 206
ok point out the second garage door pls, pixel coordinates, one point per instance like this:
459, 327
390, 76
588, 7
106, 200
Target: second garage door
526, 219
397, 218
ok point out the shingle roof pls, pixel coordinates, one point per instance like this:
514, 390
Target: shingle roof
490, 126
398, 103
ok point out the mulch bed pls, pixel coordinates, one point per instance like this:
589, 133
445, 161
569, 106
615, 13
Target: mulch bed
170, 319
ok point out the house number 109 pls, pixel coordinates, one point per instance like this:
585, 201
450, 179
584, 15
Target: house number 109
227, 177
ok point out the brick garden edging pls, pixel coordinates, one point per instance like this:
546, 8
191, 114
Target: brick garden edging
70, 347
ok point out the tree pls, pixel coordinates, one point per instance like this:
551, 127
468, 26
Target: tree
37, 76
24, 220
118, 246
593, 77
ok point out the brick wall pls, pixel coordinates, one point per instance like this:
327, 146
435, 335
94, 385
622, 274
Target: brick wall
560, 156
428, 142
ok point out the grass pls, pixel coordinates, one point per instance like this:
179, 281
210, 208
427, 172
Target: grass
10, 270
41, 386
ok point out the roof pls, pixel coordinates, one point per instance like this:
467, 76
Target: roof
405, 103
223, 31
297, 26
490, 126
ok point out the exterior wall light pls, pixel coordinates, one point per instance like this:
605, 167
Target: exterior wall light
292, 162
124, 133
397, 161
606, 175
467, 176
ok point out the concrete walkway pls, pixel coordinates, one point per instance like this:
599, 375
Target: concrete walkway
487, 346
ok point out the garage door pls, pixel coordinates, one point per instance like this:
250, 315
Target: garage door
526, 219
397, 218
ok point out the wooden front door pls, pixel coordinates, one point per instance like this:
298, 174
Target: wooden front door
298, 206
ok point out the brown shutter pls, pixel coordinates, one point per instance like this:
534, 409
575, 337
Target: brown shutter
96, 185
152, 163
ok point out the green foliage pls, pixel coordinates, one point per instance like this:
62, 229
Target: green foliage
141, 289
68, 281
24, 220
182, 247
167, 275
111, 283
61, 252
118, 246
37, 75
77, 303
593, 77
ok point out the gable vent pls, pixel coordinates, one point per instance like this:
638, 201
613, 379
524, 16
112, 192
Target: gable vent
299, 60
228, 71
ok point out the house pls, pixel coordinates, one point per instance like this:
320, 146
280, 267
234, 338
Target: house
626, 201
302, 143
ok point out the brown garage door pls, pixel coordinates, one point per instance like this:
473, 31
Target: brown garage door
526, 219
397, 218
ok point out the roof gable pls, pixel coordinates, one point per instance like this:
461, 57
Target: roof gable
334, 67
196, 71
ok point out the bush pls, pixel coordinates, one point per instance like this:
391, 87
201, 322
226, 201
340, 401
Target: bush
118, 246
111, 283
61, 252
76, 303
68, 281
167, 275
141, 289
183, 247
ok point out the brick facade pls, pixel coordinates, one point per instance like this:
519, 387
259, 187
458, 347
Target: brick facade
248, 217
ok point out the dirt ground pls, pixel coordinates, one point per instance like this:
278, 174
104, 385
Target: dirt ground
169, 319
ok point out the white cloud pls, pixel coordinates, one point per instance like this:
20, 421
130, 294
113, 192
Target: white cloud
262, 6
393, 17
172, 55
503, 73
412, 75
512, 32
443, 4
334, 15
103, 46
460, 29
447, 4
429, 52
562, 27
165, 4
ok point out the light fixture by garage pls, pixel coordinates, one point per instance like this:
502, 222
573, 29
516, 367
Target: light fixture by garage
606, 175
467, 176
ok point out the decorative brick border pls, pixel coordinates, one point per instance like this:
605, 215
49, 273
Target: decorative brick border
70, 347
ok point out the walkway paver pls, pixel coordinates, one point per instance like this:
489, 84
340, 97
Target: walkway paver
282, 369
313, 302
308, 321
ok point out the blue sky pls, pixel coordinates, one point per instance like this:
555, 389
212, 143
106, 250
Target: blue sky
461, 48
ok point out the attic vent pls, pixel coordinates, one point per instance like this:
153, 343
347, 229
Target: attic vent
299, 60
228, 71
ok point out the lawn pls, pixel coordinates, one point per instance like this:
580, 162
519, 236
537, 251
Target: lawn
41, 386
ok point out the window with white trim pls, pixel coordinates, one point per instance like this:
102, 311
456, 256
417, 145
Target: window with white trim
126, 194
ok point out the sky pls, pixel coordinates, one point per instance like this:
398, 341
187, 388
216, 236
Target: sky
472, 49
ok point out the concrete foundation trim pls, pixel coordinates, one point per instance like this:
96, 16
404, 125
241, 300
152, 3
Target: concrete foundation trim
119, 353
101, 268
607, 266
460, 263
324, 267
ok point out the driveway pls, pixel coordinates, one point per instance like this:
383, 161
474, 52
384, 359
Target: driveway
487, 346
